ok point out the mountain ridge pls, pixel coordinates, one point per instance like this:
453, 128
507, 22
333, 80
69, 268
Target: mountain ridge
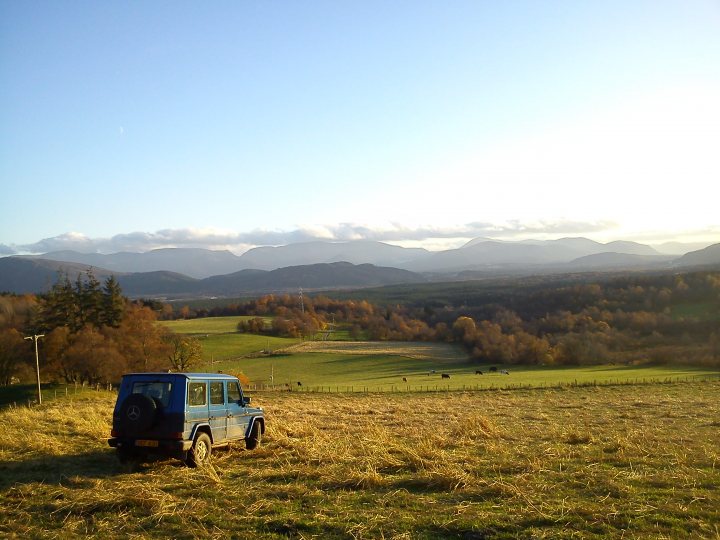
21, 276
211, 277
479, 253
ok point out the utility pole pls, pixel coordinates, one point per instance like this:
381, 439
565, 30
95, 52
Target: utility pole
37, 364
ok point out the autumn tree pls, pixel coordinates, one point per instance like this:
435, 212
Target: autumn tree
184, 352
142, 342
12, 352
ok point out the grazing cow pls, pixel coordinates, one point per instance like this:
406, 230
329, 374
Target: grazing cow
299, 383
478, 372
493, 369
445, 376
504, 372
404, 379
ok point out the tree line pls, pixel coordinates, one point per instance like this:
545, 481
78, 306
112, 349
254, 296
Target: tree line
662, 319
92, 334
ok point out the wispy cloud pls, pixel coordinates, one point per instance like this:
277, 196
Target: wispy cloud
343, 232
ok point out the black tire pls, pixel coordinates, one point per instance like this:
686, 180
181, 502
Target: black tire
253, 441
200, 452
137, 414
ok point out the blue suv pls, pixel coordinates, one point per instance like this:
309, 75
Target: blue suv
182, 415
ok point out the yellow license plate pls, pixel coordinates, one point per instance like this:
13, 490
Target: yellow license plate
146, 443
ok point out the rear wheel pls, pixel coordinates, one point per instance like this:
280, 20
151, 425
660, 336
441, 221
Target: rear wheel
252, 442
200, 452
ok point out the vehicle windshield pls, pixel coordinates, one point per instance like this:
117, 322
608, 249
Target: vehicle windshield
158, 390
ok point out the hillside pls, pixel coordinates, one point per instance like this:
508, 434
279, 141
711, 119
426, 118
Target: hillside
619, 261
305, 253
193, 262
478, 254
22, 275
708, 256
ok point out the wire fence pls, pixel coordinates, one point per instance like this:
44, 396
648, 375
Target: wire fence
428, 388
69, 391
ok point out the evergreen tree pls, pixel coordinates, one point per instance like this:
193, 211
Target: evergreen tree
59, 306
90, 300
113, 303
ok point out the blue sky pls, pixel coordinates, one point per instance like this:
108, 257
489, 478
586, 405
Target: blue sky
233, 124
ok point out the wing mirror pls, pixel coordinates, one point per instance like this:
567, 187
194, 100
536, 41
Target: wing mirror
246, 401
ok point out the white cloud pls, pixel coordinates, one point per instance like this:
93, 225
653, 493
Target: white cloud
239, 242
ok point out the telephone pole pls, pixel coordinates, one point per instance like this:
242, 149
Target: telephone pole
37, 364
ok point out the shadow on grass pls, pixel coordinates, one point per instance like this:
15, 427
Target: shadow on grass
57, 469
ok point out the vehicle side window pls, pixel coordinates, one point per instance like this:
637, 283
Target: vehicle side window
217, 393
197, 393
233, 392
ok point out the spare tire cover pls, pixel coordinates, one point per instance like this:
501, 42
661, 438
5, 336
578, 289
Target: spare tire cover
137, 413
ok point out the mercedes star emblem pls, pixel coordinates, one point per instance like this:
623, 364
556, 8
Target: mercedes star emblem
133, 412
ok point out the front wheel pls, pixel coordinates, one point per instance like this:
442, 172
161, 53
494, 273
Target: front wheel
200, 452
252, 442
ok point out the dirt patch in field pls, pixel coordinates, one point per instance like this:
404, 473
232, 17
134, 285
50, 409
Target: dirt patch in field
421, 351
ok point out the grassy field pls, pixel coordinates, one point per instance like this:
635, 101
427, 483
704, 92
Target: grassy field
221, 342
341, 365
606, 462
360, 366
207, 325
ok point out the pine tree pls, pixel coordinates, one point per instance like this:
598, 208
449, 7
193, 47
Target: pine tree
59, 307
90, 299
113, 303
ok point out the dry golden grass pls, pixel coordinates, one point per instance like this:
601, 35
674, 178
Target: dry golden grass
638, 462
414, 350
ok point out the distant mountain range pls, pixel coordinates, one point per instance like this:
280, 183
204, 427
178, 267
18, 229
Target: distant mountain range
22, 276
332, 265
478, 254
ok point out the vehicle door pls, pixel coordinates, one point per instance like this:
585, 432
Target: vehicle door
218, 411
197, 404
238, 417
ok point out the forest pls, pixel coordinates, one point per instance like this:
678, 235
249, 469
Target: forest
655, 318
92, 334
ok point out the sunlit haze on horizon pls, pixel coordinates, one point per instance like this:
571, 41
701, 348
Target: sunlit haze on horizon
233, 125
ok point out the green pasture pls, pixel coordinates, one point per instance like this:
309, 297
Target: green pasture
225, 349
208, 325
228, 325
385, 372
232, 346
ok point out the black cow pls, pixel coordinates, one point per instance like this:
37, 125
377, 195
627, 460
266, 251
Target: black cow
404, 379
445, 375
299, 383
478, 372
